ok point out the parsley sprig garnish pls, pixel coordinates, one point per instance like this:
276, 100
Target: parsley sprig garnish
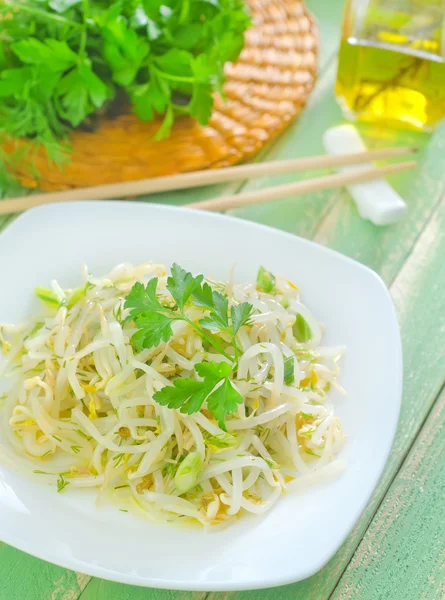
154, 325
189, 394
154, 320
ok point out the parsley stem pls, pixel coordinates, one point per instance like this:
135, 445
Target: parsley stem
182, 110
181, 317
171, 77
211, 341
42, 13
235, 347
184, 11
86, 16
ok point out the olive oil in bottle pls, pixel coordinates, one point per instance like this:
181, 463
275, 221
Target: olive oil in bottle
392, 62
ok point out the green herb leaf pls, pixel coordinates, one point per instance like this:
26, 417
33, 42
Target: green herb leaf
185, 394
224, 401
240, 315
154, 320
188, 395
61, 484
182, 284
79, 93
203, 296
153, 329
201, 104
61, 6
301, 330
123, 50
150, 98
54, 54
84, 435
164, 129
219, 318
143, 299
213, 371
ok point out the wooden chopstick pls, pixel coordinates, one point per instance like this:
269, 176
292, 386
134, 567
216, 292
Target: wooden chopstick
200, 178
301, 187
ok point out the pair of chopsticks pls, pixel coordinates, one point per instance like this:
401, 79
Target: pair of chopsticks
200, 178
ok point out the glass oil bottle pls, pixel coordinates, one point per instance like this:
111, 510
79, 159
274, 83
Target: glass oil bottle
392, 62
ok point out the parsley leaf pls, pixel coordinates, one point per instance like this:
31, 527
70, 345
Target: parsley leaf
219, 305
153, 328
80, 92
182, 284
203, 296
224, 401
189, 395
186, 394
240, 315
218, 319
143, 298
123, 50
150, 98
153, 320
213, 371
54, 54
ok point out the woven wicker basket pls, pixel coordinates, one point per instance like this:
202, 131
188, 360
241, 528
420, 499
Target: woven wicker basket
265, 90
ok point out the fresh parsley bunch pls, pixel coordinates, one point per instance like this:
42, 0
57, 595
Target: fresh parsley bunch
63, 62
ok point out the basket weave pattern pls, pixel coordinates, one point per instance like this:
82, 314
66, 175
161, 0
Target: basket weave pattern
265, 90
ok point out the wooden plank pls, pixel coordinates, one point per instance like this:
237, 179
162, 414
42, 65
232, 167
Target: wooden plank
24, 577
418, 294
99, 589
403, 552
410, 556
384, 248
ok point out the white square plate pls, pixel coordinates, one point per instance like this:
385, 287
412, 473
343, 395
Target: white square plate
302, 532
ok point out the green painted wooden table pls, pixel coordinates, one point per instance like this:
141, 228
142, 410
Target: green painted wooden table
397, 549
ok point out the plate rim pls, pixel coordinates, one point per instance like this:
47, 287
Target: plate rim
239, 584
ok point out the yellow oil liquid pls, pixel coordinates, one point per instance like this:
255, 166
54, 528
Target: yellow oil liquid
391, 86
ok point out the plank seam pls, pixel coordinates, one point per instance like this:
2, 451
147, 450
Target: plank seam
403, 461
422, 424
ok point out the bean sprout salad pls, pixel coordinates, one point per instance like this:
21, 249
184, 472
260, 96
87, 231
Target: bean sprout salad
176, 396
